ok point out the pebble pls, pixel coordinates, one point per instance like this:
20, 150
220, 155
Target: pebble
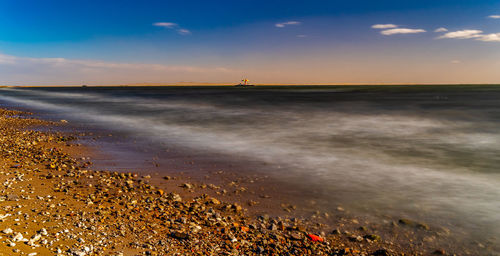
187, 186
18, 237
180, 235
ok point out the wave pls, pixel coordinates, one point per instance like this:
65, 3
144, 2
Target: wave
396, 161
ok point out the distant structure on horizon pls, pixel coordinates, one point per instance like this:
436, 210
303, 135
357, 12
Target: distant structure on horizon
244, 83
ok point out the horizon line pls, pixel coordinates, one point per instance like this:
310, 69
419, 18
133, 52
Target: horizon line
233, 84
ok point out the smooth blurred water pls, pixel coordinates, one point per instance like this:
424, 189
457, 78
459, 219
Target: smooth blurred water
429, 152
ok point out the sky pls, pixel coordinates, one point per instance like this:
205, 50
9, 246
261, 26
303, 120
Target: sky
61, 42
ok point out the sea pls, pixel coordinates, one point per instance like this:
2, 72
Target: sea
424, 152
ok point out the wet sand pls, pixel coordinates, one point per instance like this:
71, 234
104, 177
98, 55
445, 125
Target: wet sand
54, 201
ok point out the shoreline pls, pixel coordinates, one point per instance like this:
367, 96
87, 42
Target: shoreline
137, 214
256, 84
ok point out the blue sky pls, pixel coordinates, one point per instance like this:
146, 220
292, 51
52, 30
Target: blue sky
115, 42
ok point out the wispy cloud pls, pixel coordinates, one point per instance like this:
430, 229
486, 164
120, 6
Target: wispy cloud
14, 60
494, 16
441, 29
384, 26
463, 34
391, 29
22, 70
490, 37
171, 25
183, 31
455, 62
301, 36
395, 31
284, 24
166, 24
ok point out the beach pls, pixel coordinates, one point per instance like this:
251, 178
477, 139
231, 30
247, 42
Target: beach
54, 203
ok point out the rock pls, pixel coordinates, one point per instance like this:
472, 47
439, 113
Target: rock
315, 238
263, 218
273, 227
381, 252
76, 252
282, 226
252, 203
174, 197
406, 222
356, 238
196, 229
180, 235
233, 239
12, 197
34, 239
18, 237
187, 186
7, 231
297, 235
336, 232
43, 232
3, 216
373, 237
440, 252
423, 226
237, 207
214, 201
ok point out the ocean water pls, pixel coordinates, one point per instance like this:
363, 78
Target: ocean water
426, 152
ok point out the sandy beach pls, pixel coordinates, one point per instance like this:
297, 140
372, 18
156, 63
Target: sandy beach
54, 203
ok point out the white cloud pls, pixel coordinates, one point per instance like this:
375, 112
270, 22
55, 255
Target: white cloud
183, 31
401, 31
441, 30
494, 16
490, 38
171, 25
384, 26
463, 34
472, 34
284, 24
166, 24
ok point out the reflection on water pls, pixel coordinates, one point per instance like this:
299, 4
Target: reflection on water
426, 151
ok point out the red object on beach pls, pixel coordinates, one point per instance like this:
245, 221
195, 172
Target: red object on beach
315, 238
